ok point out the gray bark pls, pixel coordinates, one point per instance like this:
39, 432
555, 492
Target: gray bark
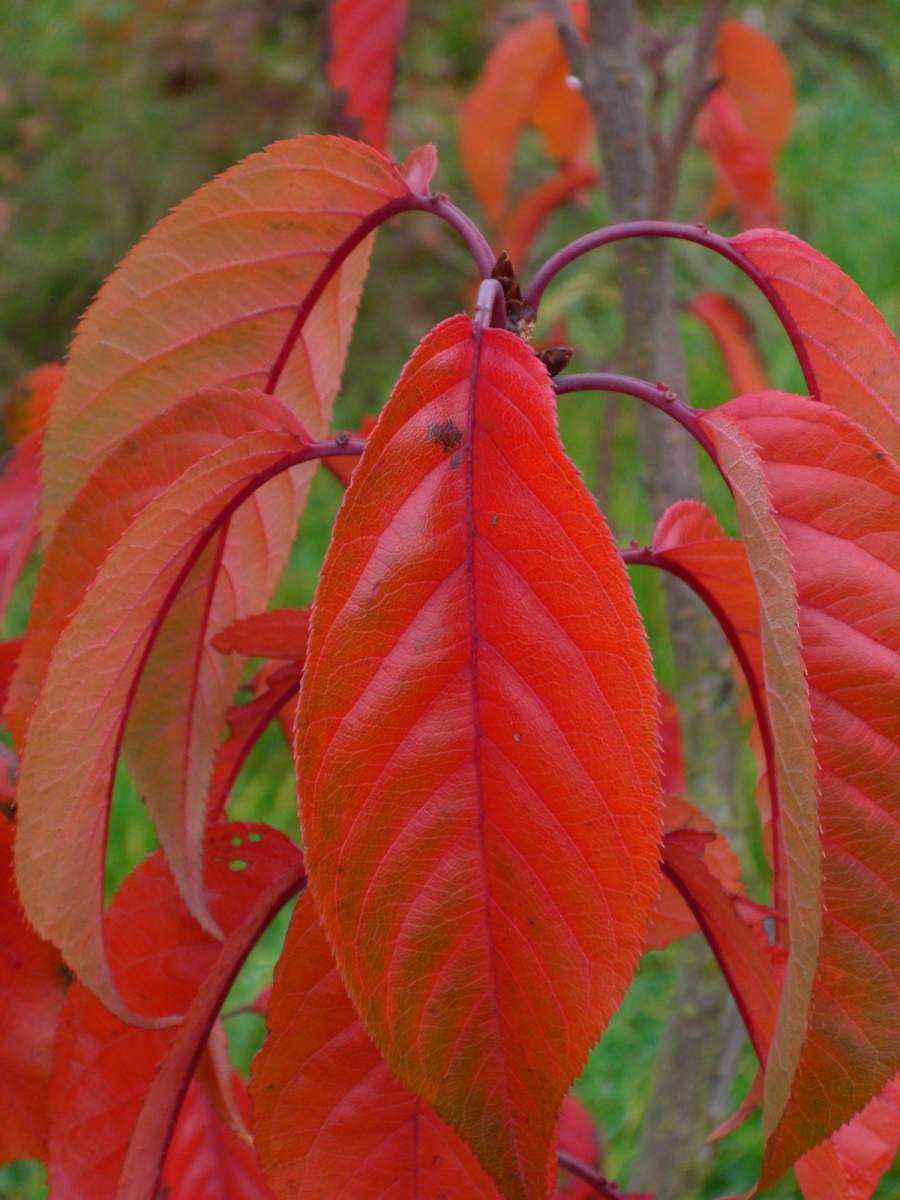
698, 1044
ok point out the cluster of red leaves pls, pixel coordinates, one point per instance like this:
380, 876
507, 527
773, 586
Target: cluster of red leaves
476, 737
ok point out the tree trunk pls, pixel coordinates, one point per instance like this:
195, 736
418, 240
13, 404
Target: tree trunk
673, 1155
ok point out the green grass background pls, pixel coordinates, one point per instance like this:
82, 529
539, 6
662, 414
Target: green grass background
112, 111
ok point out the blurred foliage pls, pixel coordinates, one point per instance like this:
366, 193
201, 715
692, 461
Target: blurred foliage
111, 111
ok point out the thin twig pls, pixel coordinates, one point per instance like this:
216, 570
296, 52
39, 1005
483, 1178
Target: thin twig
592, 1178
693, 93
573, 42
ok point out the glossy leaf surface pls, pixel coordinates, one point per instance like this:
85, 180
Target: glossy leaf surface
818, 504
330, 1119
33, 985
364, 37
103, 1068
476, 750
853, 353
525, 81
81, 708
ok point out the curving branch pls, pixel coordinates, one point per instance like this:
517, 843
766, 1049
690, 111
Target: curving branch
594, 1179
437, 204
697, 234
659, 395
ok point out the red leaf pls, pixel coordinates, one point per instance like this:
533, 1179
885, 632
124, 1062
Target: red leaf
850, 1165
103, 1068
731, 328
750, 128
476, 750
524, 81
523, 223
9, 658
577, 1135
739, 949
281, 633
758, 78
206, 1160
30, 400
364, 39
672, 919
33, 984
96, 659
744, 163
247, 283
20, 489
689, 542
817, 502
212, 297
330, 1119
247, 723
854, 355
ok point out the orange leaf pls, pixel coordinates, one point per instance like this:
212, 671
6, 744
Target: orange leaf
33, 985
743, 160
476, 750
524, 81
78, 678
210, 298
749, 128
523, 223
364, 38
758, 78
731, 328
818, 501
330, 1119
852, 352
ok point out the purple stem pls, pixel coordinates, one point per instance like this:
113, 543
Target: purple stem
647, 556
688, 233
592, 1178
490, 305
657, 394
152, 1133
438, 204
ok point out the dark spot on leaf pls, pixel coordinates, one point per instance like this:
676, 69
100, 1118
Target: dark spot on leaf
236, 841
238, 864
254, 837
456, 459
446, 434
495, 520
880, 454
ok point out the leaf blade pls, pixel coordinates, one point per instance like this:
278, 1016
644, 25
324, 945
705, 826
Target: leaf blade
474, 815
829, 495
